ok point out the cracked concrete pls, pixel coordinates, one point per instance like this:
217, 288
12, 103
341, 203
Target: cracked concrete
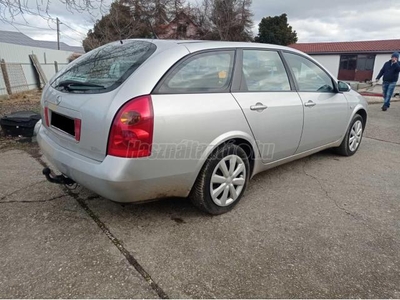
327, 194
25, 188
50, 248
16, 176
32, 201
322, 227
382, 140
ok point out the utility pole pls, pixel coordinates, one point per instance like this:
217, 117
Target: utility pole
58, 34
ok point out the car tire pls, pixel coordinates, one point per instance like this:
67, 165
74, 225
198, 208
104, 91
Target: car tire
222, 180
353, 137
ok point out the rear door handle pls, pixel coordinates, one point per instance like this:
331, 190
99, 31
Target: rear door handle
310, 104
258, 107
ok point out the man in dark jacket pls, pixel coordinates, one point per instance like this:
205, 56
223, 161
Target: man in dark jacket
390, 73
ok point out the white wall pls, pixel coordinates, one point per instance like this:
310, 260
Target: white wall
330, 62
380, 59
20, 54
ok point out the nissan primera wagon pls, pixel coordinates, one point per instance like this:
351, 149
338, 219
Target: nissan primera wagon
137, 120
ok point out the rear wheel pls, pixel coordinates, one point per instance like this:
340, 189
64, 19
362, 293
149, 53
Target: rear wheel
222, 180
352, 140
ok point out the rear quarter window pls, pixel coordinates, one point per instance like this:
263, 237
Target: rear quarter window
104, 68
201, 73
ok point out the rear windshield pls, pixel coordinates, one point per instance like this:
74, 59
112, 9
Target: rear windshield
104, 68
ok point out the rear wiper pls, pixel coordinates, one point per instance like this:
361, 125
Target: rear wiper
78, 85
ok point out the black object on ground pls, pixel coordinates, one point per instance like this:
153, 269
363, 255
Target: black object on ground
21, 123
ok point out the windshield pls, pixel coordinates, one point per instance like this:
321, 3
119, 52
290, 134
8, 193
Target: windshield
104, 68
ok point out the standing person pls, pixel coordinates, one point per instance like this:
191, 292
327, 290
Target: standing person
390, 72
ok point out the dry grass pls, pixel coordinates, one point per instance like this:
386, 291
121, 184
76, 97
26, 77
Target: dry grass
22, 101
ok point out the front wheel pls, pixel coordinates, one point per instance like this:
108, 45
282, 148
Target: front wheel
222, 180
352, 140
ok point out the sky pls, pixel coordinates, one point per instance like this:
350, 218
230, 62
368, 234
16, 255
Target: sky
313, 20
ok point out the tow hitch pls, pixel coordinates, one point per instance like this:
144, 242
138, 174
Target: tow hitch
58, 179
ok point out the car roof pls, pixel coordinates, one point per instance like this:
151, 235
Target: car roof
198, 45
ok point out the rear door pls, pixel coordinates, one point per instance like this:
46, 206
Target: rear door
326, 111
194, 108
272, 107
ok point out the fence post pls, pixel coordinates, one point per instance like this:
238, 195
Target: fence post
56, 66
5, 76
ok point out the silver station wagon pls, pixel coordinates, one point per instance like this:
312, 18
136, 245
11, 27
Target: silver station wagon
137, 120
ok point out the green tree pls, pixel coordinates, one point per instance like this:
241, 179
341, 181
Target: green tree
276, 30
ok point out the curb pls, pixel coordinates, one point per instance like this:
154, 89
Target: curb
378, 100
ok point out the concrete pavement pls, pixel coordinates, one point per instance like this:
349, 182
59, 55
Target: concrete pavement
50, 247
322, 227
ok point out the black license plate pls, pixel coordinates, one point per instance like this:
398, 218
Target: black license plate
63, 123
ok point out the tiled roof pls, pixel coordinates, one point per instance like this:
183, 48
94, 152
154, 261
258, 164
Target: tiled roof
383, 46
18, 38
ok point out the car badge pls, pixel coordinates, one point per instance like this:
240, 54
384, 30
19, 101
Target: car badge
58, 100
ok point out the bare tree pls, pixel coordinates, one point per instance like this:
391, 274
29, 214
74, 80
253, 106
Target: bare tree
159, 12
122, 22
177, 7
201, 13
10, 9
232, 19
217, 19
227, 20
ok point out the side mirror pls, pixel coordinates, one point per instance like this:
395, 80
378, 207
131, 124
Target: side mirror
343, 87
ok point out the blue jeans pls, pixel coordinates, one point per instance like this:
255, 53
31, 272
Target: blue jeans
388, 89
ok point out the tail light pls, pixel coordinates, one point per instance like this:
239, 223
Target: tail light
46, 116
77, 125
131, 133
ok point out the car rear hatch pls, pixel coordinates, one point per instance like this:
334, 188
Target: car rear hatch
77, 103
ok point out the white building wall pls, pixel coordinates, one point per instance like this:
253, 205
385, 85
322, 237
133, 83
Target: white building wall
380, 59
20, 54
330, 62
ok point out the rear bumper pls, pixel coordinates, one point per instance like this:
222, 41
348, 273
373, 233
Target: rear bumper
117, 179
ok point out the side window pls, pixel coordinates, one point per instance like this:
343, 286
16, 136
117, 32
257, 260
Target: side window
205, 72
264, 71
309, 76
